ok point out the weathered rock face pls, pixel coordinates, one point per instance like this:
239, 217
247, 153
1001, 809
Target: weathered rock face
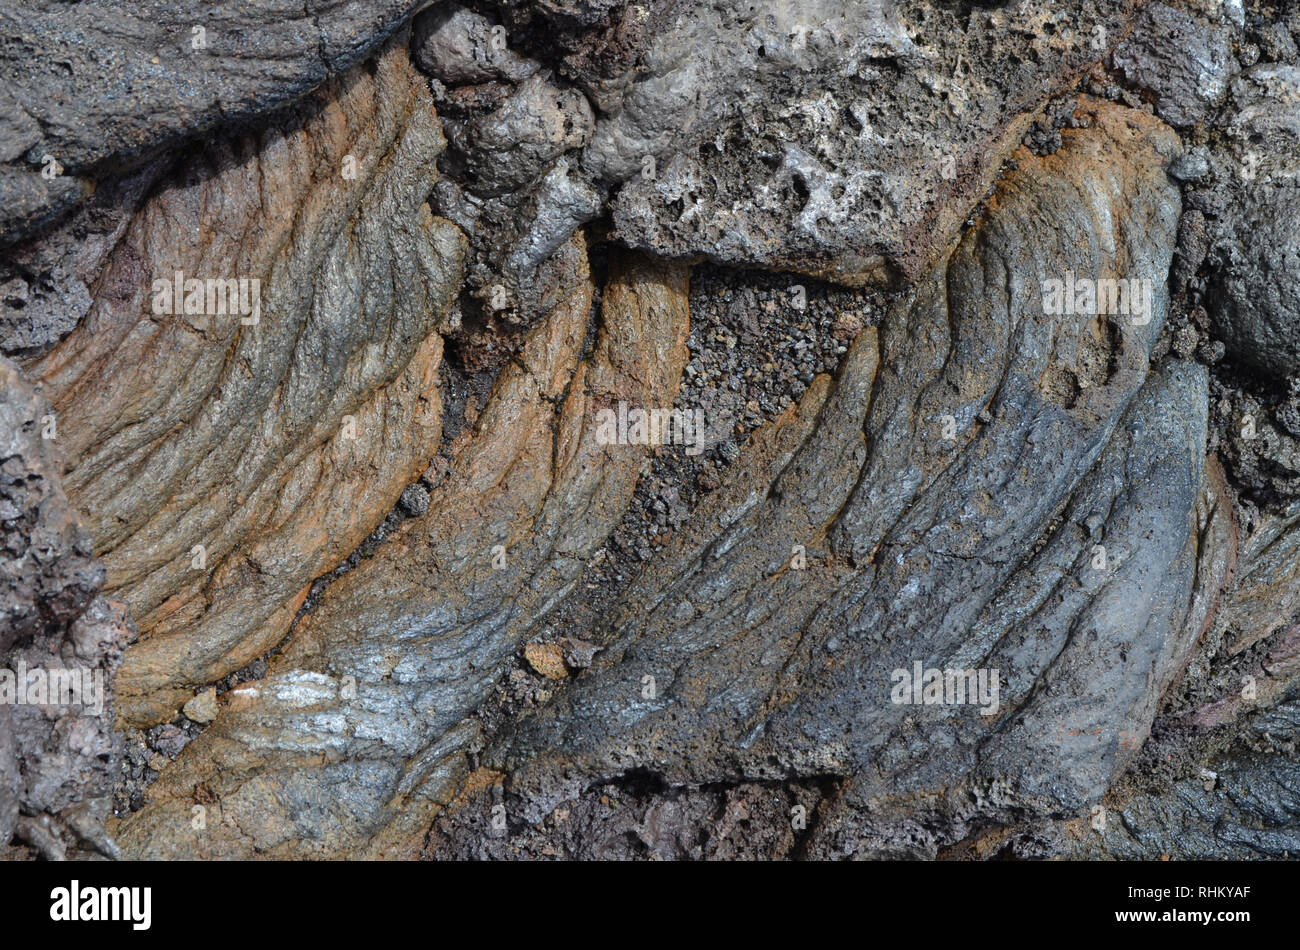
845, 138
1241, 805
69, 751
359, 732
94, 84
259, 441
1229, 732
986, 530
60, 646
47, 284
1255, 296
879, 127
47, 571
1177, 60
918, 551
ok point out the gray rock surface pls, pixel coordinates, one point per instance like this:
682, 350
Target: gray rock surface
917, 550
58, 760
875, 123
70, 751
47, 284
48, 574
1255, 289
96, 84
457, 45
512, 146
1182, 64
846, 139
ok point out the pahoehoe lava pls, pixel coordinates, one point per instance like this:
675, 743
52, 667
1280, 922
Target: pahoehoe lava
643, 429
